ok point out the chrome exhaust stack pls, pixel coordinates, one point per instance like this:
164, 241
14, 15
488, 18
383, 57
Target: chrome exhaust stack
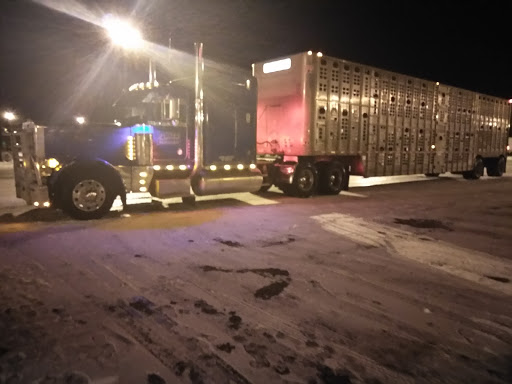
205, 181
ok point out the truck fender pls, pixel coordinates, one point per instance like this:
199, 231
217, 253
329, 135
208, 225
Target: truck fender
57, 178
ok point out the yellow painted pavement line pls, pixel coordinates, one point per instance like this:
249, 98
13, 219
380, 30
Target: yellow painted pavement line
159, 220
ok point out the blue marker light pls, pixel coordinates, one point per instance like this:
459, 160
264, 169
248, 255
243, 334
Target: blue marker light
142, 128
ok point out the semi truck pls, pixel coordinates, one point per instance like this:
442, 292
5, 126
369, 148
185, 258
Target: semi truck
303, 123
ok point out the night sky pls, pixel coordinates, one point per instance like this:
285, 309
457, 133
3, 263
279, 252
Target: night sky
46, 55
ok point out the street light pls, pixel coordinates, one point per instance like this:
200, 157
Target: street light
122, 33
10, 116
80, 120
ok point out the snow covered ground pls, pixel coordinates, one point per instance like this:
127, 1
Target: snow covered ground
398, 283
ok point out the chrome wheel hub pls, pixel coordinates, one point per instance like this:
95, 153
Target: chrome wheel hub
334, 179
306, 180
88, 195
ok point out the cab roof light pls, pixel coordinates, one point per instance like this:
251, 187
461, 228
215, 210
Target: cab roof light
278, 65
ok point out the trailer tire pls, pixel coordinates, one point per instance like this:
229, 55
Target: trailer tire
496, 168
476, 172
332, 178
305, 181
87, 195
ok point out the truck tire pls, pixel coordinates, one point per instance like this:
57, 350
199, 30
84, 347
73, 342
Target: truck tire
476, 172
87, 195
305, 181
332, 178
496, 168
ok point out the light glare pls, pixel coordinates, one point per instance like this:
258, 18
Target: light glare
53, 163
122, 33
9, 116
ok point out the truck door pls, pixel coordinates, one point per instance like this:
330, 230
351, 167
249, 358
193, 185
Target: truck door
230, 123
171, 137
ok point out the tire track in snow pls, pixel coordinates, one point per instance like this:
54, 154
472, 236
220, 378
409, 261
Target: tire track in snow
478, 267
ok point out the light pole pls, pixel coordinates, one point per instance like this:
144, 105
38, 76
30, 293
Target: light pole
5, 154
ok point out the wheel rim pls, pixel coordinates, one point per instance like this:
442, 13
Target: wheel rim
306, 180
335, 179
88, 195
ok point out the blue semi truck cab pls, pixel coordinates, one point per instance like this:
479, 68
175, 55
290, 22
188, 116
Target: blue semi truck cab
194, 136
